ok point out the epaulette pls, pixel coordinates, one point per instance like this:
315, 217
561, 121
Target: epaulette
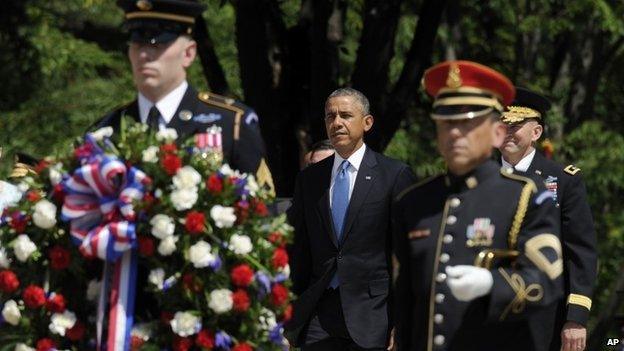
571, 169
226, 104
417, 185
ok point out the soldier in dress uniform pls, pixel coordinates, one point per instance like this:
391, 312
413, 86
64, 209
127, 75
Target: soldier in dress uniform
478, 247
161, 48
525, 119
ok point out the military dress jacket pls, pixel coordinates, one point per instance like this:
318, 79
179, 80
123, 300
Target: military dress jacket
243, 148
449, 221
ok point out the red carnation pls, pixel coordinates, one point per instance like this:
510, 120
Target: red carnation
8, 281
243, 346
240, 300
60, 258
58, 193
214, 184
41, 165
205, 339
182, 344
168, 148
149, 199
287, 315
242, 275
260, 208
18, 222
195, 222
277, 238
242, 211
171, 163
146, 246
280, 258
56, 303
76, 332
45, 344
136, 343
33, 196
279, 294
34, 296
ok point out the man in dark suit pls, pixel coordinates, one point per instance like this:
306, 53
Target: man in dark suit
341, 259
161, 48
524, 119
478, 248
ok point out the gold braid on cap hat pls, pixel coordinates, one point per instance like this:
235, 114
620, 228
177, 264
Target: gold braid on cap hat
515, 114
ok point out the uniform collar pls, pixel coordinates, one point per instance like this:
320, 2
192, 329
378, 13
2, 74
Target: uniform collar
523, 165
167, 106
473, 178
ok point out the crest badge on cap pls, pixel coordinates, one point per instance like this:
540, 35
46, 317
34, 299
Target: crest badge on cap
144, 5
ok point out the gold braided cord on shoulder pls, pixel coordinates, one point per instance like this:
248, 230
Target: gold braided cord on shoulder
206, 97
523, 204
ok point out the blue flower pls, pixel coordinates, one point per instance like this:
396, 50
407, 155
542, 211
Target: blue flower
223, 340
264, 283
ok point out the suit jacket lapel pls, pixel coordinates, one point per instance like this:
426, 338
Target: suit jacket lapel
365, 177
536, 165
323, 203
188, 102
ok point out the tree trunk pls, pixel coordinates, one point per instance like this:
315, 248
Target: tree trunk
417, 60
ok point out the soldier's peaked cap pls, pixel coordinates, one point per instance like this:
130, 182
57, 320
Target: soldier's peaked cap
159, 21
466, 89
527, 104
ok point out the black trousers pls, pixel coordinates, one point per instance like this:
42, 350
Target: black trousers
327, 330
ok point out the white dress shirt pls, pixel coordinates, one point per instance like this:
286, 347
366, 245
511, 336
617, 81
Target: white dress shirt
523, 165
355, 161
167, 106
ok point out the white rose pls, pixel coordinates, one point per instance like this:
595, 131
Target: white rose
224, 217
23, 247
252, 186
226, 170
5, 262
45, 214
167, 134
220, 300
185, 324
184, 199
267, 319
186, 178
55, 174
150, 154
240, 244
23, 187
162, 226
157, 277
11, 313
23, 347
93, 290
60, 322
167, 245
200, 255
100, 134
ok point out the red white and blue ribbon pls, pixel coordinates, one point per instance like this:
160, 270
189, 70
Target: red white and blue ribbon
98, 203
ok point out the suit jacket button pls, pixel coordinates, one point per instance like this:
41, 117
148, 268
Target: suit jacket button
340, 256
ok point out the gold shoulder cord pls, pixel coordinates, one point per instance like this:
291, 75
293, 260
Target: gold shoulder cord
523, 204
206, 97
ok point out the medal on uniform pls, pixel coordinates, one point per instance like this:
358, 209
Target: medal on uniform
480, 233
210, 144
551, 184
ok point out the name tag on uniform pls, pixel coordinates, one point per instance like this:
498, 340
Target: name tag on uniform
207, 118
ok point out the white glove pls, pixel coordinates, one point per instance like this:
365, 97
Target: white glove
469, 282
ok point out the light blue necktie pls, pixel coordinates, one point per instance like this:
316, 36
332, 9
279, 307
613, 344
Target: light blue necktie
340, 202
